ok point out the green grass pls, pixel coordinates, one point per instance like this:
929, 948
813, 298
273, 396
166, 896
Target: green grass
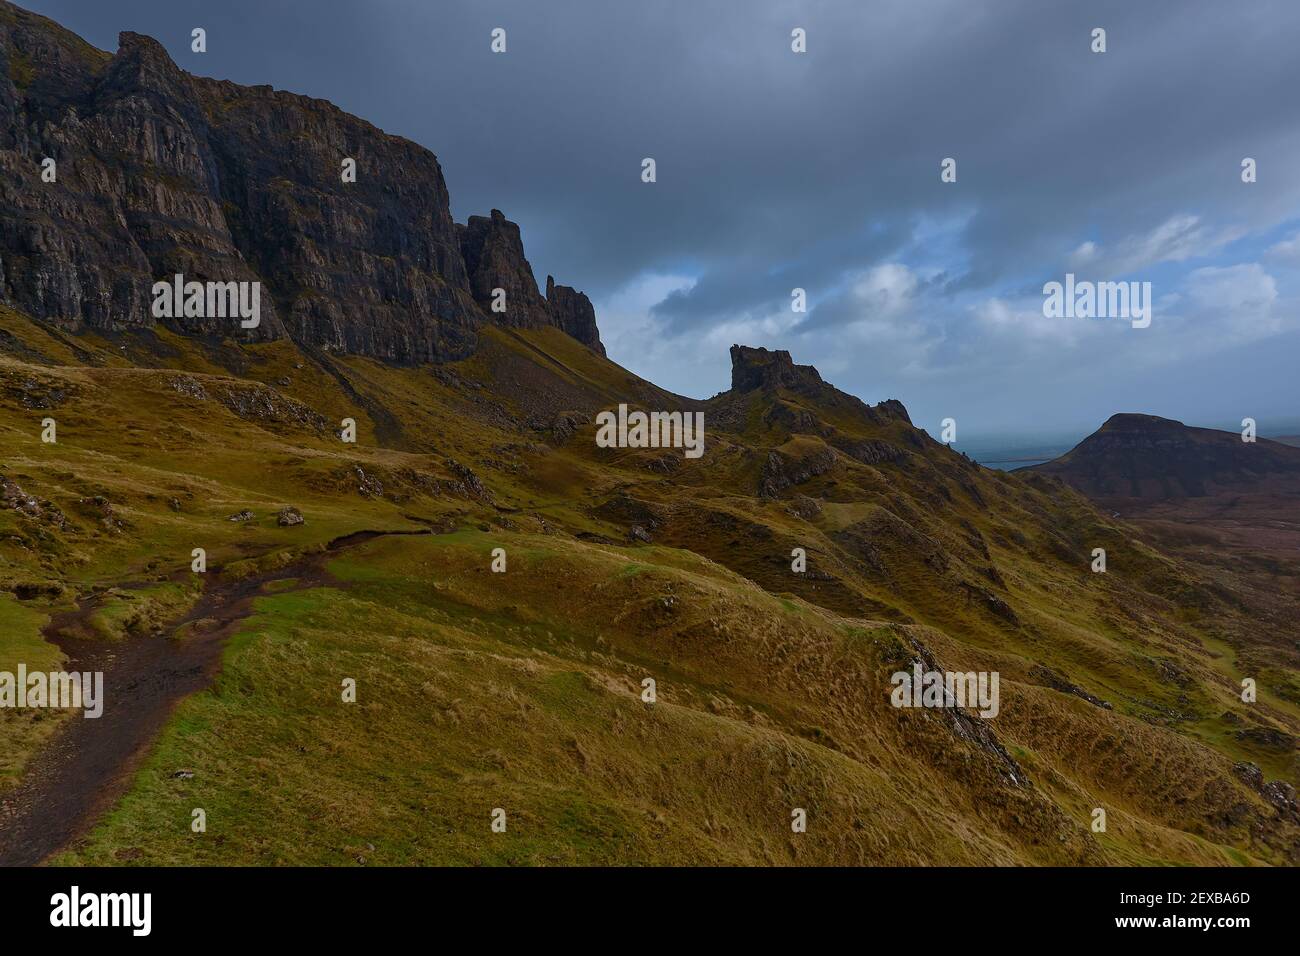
22, 731
134, 612
522, 690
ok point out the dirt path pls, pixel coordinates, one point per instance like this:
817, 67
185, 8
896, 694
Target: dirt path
88, 764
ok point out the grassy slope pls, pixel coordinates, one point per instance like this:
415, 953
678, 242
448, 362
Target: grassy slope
466, 705
520, 690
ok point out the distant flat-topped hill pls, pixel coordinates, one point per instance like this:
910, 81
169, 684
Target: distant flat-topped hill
1154, 459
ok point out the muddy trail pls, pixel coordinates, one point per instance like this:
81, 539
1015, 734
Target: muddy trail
88, 764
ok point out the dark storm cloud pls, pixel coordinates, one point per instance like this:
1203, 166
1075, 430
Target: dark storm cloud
778, 170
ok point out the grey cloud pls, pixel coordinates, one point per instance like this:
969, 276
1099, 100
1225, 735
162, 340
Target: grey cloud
773, 165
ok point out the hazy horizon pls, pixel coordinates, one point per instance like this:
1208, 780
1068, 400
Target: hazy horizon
821, 170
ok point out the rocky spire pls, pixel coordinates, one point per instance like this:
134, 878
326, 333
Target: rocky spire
573, 312
494, 259
753, 368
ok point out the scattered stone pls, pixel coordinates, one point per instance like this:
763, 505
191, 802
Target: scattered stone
1277, 793
288, 517
624, 509
189, 387
781, 472
566, 424
1269, 737
1172, 673
261, 403
183, 774
252, 401
1250, 773
664, 464
15, 498
244, 515
1280, 795
801, 506
368, 486
33, 393
1059, 682
101, 508
470, 482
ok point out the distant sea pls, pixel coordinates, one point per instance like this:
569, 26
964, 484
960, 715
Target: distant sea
1008, 452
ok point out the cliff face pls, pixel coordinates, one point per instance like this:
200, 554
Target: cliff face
753, 368
572, 311
160, 172
770, 370
494, 259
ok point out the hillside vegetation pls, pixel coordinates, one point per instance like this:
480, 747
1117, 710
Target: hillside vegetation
522, 690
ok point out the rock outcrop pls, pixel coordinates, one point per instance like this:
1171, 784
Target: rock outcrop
754, 369
494, 259
158, 172
572, 312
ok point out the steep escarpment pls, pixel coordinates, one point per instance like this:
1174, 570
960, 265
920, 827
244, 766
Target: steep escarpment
572, 312
760, 369
795, 399
502, 283
157, 172
135, 194
753, 368
494, 259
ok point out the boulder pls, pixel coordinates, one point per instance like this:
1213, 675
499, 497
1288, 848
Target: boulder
288, 517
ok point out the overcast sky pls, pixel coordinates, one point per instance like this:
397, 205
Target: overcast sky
821, 171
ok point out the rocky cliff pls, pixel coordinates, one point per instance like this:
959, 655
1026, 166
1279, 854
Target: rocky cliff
572, 311
771, 370
494, 259
753, 368
158, 172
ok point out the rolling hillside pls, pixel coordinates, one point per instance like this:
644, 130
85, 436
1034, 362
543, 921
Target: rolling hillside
521, 689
